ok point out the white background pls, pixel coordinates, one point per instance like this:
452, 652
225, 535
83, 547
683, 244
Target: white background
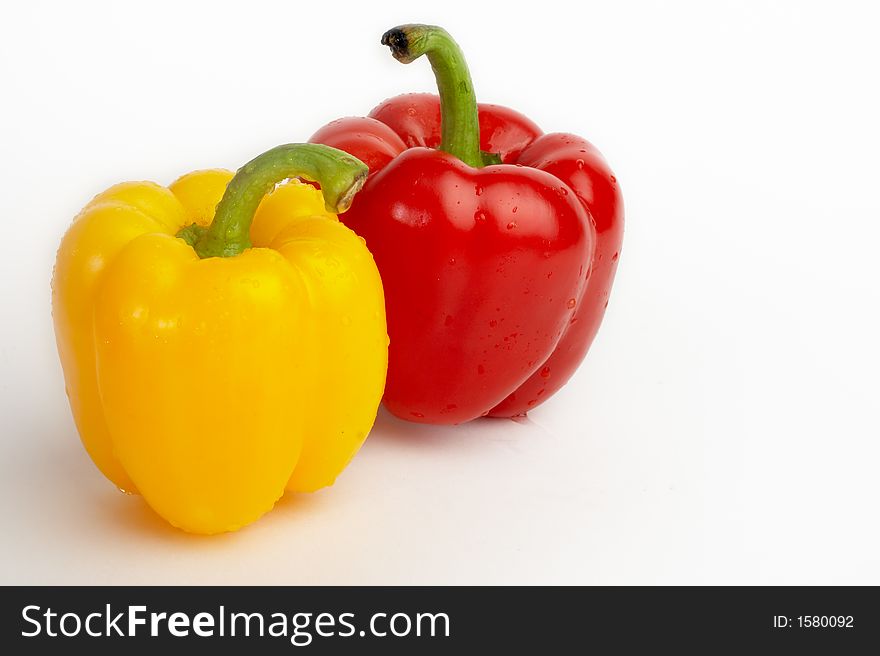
724, 428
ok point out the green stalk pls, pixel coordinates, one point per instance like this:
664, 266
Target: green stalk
340, 175
459, 123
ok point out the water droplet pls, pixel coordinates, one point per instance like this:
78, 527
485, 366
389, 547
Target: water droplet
411, 111
571, 303
478, 190
614, 257
511, 225
451, 260
563, 191
580, 164
479, 215
515, 209
613, 179
547, 255
417, 415
545, 372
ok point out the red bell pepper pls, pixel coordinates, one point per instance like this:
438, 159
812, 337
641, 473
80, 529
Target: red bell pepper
497, 244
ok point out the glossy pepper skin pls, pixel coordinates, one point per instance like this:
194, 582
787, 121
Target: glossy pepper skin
497, 275
210, 368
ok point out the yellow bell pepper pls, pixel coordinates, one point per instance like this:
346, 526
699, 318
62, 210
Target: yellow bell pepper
211, 361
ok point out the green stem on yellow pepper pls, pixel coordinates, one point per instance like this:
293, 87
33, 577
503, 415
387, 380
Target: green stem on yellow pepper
339, 174
459, 123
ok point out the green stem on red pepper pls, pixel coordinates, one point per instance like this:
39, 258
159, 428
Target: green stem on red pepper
459, 122
340, 175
